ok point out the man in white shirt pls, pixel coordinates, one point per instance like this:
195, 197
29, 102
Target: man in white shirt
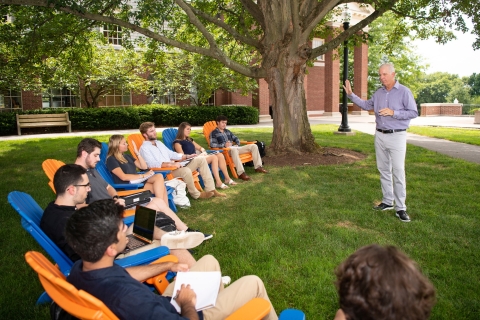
157, 155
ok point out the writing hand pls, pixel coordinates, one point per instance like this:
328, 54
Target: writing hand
348, 87
185, 296
228, 144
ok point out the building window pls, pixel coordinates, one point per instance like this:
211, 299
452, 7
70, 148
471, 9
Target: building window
210, 101
59, 98
118, 97
113, 33
10, 99
317, 43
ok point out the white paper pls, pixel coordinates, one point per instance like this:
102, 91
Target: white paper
140, 180
204, 284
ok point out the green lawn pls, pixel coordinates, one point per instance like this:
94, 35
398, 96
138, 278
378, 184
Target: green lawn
291, 227
465, 135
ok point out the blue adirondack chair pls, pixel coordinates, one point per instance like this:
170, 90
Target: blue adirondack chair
31, 214
107, 176
291, 314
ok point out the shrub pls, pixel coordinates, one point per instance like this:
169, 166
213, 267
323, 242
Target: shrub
114, 118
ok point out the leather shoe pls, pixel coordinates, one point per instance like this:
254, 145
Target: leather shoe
261, 169
205, 194
244, 177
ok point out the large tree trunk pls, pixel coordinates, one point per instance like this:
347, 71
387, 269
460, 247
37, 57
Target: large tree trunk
284, 58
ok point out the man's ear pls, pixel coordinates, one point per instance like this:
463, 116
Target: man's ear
112, 250
70, 190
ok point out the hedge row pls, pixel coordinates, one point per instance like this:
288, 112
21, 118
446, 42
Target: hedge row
113, 118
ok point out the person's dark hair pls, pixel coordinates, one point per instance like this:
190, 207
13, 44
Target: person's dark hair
67, 175
145, 126
221, 118
92, 229
383, 283
88, 145
181, 129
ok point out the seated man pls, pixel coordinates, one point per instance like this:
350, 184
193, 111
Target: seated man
382, 283
88, 155
97, 233
157, 155
221, 137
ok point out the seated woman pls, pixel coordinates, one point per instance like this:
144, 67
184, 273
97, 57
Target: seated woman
184, 144
382, 283
124, 169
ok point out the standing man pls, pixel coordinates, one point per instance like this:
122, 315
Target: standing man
394, 107
157, 155
221, 137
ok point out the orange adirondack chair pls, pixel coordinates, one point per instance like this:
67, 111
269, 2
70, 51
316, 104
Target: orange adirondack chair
83, 305
138, 139
208, 127
50, 166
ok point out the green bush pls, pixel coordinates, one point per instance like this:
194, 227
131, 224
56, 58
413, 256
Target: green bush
114, 118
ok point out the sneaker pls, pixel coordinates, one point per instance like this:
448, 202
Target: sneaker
226, 280
403, 216
383, 206
182, 239
207, 236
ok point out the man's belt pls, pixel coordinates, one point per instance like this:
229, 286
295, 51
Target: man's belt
391, 130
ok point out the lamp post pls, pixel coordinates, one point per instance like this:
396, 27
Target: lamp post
344, 125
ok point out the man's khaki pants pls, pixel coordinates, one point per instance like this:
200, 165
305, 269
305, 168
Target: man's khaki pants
186, 174
231, 298
234, 152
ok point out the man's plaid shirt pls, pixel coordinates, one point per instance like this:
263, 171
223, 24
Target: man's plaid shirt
219, 139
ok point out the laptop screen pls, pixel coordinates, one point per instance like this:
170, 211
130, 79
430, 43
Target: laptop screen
144, 222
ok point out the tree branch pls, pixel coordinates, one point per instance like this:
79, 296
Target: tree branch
247, 40
346, 34
255, 11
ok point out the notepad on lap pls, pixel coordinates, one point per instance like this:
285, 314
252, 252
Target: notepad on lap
204, 284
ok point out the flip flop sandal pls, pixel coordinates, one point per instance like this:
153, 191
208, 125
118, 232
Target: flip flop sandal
223, 186
232, 182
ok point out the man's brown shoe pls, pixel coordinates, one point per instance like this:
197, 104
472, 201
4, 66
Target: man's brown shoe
205, 195
218, 194
261, 169
244, 177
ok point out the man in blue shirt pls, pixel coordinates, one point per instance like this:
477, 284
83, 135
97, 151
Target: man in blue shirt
394, 107
97, 233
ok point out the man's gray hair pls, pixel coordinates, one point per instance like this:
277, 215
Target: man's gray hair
390, 66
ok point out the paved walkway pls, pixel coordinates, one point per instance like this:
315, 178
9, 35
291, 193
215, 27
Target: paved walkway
364, 124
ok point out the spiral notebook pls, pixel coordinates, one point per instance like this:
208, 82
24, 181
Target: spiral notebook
204, 284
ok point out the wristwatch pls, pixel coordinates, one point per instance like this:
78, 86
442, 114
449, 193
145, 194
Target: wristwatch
115, 197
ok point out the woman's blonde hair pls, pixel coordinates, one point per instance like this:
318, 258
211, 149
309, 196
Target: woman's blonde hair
114, 148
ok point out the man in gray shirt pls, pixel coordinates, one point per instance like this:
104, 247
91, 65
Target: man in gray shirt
394, 107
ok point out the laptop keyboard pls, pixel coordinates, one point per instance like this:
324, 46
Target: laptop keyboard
133, 243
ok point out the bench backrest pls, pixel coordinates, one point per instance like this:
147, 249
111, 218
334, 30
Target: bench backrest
35, 118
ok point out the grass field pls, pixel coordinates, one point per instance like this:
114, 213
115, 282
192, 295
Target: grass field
465, 135
291, 227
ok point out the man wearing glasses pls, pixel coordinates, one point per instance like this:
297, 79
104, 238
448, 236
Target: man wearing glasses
72, 187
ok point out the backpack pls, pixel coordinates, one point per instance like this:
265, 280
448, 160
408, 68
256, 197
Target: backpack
261, 151
180, 194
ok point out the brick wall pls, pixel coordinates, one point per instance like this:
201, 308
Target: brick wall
441, 109
314, 88
31, 101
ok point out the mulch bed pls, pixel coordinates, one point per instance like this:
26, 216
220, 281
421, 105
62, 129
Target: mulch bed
328, 156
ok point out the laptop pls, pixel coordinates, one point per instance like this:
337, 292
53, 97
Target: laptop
142, 237
136, 199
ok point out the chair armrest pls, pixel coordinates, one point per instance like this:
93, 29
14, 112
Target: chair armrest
291, 314
142, 258
128, 186
247, 142
255, 309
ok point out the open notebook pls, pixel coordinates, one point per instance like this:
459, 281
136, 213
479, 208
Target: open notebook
204, 284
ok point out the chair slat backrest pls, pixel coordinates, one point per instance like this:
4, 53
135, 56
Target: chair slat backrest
50, 166
76, 302
136, 138
208, 127
104, 152
168, 136
31, 214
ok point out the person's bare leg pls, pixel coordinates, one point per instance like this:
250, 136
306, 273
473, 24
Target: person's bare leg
156, 185
214, 162
184, 257
160, 205
223, 166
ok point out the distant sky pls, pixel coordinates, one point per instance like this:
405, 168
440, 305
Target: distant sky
455, 57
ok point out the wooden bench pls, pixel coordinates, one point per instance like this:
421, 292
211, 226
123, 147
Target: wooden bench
43, 120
